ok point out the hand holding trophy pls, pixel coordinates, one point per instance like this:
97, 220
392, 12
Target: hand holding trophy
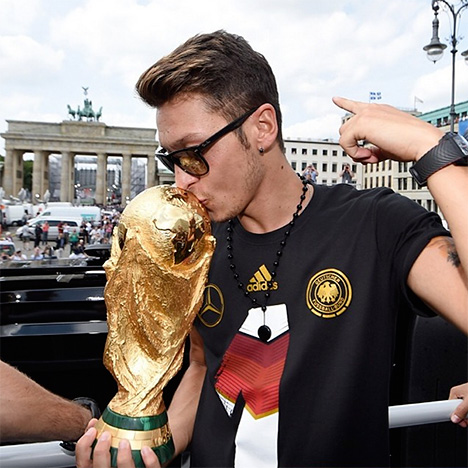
156, 276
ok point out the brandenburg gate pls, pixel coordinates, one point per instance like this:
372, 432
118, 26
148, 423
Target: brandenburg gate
71, 138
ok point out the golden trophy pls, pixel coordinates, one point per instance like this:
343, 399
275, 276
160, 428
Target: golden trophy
156, 274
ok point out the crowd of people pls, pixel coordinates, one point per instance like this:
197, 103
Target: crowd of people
71, 242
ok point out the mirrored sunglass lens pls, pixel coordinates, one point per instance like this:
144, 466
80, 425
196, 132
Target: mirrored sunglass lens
191, 163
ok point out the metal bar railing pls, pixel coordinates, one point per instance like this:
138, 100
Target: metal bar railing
50, 455
421, 413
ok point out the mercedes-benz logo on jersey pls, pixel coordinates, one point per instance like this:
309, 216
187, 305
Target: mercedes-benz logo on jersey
213, 306
329, 293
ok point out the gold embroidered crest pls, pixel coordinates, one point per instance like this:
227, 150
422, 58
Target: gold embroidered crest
329, 293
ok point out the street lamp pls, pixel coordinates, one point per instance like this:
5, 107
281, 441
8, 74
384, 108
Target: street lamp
435, 49
465, 54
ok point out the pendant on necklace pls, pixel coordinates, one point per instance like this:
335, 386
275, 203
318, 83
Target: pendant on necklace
264, 333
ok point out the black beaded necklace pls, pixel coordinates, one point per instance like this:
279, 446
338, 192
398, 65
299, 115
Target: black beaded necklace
264, 331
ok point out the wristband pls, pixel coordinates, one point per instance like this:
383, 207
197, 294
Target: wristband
69, 446
451, 149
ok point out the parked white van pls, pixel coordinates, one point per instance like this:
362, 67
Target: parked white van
14, 213
86, 213
41, 207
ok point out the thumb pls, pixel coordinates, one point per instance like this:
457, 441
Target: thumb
459, 416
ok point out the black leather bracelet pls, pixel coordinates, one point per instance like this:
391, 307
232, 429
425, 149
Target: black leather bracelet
451, 149
69, 446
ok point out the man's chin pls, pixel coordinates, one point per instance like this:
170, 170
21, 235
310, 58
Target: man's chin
220, 217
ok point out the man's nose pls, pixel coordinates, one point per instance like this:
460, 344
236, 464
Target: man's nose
182, 179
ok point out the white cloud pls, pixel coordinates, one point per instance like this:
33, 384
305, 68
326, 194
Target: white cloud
22, 106
17, 16
435, 87
24, 61
318, 128
49, 49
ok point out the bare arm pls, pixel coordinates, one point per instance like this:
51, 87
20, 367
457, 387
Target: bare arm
439, 279
183, 408
30, 413
439, 275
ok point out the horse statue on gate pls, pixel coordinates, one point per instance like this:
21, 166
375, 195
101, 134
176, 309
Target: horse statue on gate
71, 111
86, 112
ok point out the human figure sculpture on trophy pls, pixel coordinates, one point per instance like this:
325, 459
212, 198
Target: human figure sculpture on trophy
161, 252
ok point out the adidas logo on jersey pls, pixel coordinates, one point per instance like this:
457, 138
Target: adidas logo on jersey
260, 280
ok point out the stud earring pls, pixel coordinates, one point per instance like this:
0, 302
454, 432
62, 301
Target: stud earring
261, 150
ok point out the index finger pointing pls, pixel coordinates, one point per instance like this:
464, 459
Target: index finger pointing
346, 104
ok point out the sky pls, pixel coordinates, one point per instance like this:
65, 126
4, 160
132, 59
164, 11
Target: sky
51, 49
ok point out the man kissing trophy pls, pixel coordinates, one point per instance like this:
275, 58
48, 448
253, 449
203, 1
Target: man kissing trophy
156, 274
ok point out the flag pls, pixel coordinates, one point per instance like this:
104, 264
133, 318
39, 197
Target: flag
416, 100
375, 95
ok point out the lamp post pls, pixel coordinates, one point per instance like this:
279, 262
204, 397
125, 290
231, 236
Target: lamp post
435, 49
465, 54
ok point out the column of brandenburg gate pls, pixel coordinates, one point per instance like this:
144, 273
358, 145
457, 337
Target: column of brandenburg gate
71, 138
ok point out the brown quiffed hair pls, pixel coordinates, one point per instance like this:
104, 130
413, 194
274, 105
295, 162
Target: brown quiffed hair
222, 67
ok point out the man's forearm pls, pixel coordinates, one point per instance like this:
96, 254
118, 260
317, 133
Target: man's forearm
184, 405
30, 413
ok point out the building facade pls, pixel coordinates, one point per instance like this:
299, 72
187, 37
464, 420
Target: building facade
68, 139
72, 155
326, 156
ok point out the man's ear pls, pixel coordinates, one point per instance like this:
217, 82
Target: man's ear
266, 126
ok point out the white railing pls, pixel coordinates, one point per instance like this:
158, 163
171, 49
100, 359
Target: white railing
50, 454
421, 413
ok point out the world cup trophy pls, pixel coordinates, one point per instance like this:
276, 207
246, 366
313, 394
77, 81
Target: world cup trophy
156, 274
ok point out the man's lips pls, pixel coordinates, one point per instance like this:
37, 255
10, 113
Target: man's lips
200, 199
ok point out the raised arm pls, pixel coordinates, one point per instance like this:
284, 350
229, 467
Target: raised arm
440, 274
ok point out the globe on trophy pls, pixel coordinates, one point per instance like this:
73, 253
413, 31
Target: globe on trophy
156, 274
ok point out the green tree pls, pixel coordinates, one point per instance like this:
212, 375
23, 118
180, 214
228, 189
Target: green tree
27, 174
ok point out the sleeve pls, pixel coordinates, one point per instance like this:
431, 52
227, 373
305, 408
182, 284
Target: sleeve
404, 228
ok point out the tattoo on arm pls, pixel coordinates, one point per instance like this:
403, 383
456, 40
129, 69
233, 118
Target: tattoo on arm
446, 245
453, 257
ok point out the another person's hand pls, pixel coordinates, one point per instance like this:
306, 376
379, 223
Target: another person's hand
460, 415
101, 455
396, 134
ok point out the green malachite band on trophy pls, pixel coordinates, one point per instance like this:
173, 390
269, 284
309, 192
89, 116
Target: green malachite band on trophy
150, 431
164, 452
143, 423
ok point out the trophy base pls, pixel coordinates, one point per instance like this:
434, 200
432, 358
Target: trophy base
152, 431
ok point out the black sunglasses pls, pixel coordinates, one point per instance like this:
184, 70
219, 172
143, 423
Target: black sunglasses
191, 159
